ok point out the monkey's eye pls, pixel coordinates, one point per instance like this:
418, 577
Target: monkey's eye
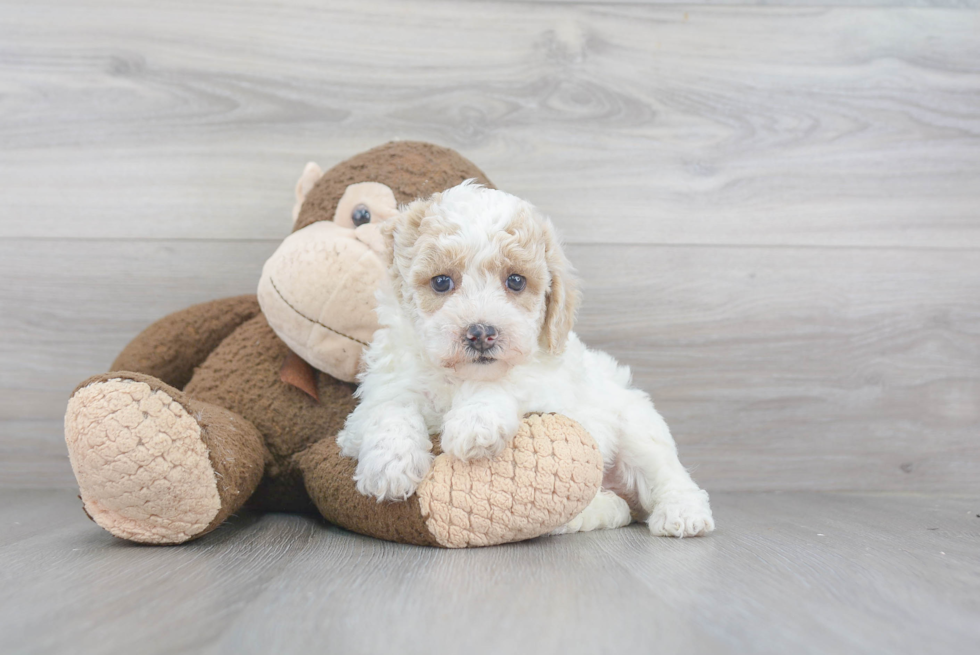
516, 282
360, 215
441, 283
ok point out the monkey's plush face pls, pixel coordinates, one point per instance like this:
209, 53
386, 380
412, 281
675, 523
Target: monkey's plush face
317, 290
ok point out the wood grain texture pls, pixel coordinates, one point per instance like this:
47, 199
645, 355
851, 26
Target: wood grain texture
776, 368
774, 209
629, 123
784, 573
822, 369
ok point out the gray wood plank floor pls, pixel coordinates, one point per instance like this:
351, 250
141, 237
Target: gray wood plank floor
785, 573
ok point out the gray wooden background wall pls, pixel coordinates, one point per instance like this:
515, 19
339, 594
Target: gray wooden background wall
775, 209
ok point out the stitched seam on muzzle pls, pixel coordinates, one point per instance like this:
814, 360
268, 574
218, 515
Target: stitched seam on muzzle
313, 320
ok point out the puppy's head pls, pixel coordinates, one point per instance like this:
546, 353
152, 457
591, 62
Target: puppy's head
483, 279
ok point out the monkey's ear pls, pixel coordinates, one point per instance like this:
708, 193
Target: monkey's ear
563, 294
311, 174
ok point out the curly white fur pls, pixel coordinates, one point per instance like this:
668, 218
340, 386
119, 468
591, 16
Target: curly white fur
423, 376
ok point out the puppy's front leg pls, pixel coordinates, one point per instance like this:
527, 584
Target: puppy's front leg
481, 422
392, 447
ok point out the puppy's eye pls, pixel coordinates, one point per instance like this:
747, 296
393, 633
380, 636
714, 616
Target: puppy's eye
360, 215
441, 283
516, 282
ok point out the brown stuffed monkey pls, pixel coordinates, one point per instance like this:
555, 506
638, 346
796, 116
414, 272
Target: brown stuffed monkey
239, 400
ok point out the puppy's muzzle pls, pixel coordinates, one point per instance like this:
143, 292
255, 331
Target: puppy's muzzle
481, 337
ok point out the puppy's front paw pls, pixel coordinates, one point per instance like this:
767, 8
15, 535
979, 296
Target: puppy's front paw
471, 434
681, 514
392, 474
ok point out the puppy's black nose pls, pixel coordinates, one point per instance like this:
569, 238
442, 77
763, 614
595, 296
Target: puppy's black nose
481, 337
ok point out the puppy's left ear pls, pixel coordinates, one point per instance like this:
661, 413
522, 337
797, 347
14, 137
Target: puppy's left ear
387, 231
400, 233
401, 230
563, 294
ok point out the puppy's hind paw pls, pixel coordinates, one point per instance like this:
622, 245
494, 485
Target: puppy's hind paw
681, 514
607, 510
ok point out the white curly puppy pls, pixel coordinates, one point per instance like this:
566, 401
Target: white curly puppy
476, 332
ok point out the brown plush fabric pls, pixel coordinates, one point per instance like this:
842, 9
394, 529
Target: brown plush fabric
412, 169
329, 481
237, 452
174, 346
242, 374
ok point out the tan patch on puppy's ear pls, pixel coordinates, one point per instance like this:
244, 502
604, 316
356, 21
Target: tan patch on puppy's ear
400, 234
521, 251
387, 231
563, 295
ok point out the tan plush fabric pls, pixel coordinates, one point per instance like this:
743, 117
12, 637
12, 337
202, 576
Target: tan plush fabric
317, 293
153, 466
550, 473
376, 197
141, 464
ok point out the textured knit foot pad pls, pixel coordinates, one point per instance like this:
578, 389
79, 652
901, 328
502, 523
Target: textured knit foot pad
547, 477
141, 466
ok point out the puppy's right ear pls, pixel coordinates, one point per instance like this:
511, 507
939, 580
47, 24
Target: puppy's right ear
400, 233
